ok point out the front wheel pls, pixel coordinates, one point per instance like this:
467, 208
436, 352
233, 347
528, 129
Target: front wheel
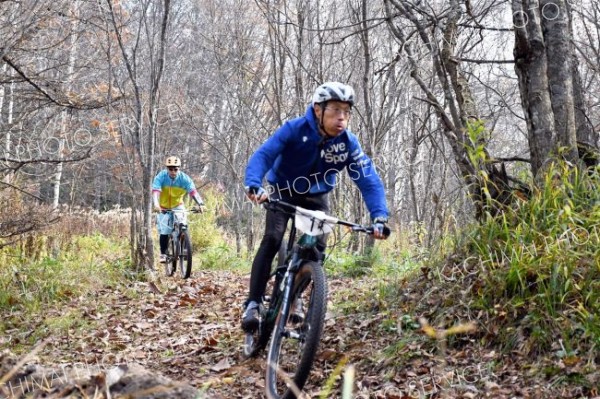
294, 343
185, 255
171, 262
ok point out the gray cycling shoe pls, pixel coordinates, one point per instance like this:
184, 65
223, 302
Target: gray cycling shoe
250, 317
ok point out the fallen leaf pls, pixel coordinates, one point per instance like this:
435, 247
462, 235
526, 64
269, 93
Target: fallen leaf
222, 365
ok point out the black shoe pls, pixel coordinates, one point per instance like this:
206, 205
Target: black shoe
296, 313
250, 317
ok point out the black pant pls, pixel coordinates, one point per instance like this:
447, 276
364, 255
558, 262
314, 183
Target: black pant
164, 243
275, 226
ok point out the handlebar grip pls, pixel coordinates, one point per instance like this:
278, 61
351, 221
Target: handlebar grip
386, 231
253, 190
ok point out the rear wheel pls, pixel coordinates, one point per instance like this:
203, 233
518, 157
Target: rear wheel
294, 345
171, 262
185, 255
256, 341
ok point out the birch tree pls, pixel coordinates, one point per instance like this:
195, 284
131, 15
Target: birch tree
65, 114
37, 97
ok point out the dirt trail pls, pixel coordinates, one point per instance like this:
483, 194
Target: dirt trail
189, 331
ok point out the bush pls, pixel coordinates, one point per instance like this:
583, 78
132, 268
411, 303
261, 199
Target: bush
539, 262
31, 282
203, 227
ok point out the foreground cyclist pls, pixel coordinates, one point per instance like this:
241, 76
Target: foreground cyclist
301, 161
168, 189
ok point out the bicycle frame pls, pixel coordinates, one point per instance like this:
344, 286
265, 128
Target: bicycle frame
179, 246
177, 226
293, 262
295, 256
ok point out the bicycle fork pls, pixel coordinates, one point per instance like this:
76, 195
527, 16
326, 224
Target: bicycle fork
175, 241
286, 291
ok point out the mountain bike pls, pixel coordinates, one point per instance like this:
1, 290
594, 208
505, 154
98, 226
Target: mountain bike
299, 280
179, 249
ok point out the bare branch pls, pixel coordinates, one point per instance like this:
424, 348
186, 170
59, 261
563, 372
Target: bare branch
470, 60
52, 98
21, 162
20, 190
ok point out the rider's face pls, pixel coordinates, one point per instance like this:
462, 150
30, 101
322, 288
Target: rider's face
173, 170
335, 116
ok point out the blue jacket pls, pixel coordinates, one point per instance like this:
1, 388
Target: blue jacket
297, 161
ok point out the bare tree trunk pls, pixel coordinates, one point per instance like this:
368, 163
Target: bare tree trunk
584, 128
458, 106
587, 138
144, 139
543, 65
148, 175
299, 81
277, 35
369, 145
65, 113
555, 23
9, 122
411, 157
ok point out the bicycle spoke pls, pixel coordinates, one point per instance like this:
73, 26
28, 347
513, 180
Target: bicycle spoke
295, 342
292, 346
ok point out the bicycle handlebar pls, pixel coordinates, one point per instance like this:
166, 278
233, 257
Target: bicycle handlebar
273, 204
179, 210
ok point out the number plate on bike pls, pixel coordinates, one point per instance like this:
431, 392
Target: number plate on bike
179, 217
314, 223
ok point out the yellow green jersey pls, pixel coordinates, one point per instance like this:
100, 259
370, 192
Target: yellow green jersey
171, 190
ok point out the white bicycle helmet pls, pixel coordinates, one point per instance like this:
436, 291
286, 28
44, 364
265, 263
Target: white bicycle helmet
173, 161
335, 91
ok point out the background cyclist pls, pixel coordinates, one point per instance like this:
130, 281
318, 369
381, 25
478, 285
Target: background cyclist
168, 189
301, 161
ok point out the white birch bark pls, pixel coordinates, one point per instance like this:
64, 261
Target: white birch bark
65, 113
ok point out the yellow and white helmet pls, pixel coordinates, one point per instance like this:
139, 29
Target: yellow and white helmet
173, 161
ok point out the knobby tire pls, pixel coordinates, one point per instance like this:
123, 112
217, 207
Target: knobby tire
255, 342
171, 262
185, 255
284, 362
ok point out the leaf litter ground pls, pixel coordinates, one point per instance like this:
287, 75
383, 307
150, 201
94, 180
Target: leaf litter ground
188, 330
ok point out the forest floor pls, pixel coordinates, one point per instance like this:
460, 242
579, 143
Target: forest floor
188, 330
